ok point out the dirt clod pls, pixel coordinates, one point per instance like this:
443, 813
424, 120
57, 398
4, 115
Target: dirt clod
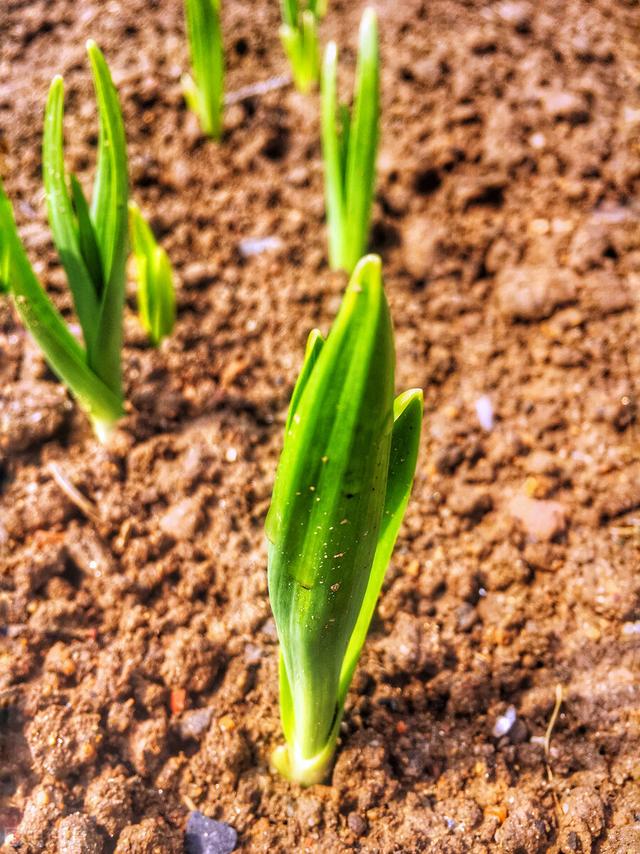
108, 800
63, 741
150, 836
30, 413
534, 292
540, 520
78, 834
524, 828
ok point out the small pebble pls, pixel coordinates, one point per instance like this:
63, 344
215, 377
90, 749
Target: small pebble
197, 274
257, 245
181, 520
194, 723
356, 824
466, 617
518, 733
484, 411
207, 836
568, 106
504, 723
541, 520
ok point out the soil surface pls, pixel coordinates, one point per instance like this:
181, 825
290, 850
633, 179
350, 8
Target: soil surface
138, 674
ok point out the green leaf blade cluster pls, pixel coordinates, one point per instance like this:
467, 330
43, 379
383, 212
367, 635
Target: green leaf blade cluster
63, 352
156, 293
92, 246
300, 41
204, 92
350, 145
327, 514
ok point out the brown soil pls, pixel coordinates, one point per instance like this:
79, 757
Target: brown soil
139, 676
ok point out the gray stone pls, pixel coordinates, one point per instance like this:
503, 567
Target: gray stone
207, 836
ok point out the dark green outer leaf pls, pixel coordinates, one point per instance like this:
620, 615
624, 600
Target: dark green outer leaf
62, 218
289, 12
87, 237
110, 218
405, 443
328, 501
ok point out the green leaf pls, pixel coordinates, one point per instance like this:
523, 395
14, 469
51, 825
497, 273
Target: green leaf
62, 351
110, 220
165, 309
205, 92
290, 12
349, 145
156, 295
405, 441
4, 267
300, 43
190, 93
344, 127
62, 219
299, 37
341, 490
363, 141
333, 157
286, 701
312, 351
328, 502
87, 237
318, 7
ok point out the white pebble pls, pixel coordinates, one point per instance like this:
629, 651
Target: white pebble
484, 411
504, 722
256, 245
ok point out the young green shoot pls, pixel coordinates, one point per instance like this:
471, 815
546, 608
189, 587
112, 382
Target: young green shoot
204, 91
92, 245
341, 490
349, 146
156, 294
299, 37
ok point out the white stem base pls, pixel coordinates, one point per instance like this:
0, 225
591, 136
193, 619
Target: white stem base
307, 772
103, 429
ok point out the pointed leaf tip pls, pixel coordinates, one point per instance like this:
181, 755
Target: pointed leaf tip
367, 273
406, 398
371, 260
369, 19
331, 52
314, 342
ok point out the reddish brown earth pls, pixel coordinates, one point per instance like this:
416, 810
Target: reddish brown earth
138, 675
